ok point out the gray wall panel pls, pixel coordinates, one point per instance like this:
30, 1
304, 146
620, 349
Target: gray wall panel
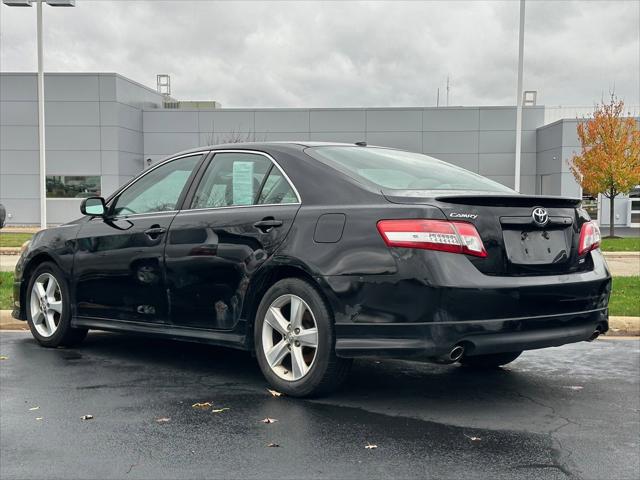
19, 161
409, 120
72, 113
282, 121
23, 210
73, 138
73, 162
450, 119
61, 210
167, 143
107, 86
129, 117
337, 120
18, 113
109, 113
19, 186
72, 88
18, 138
170, 121
18, 87
130, 164
449, 142
130, 141
109, 162
227, 121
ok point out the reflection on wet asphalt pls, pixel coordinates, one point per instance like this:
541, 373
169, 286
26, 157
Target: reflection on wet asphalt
556, 413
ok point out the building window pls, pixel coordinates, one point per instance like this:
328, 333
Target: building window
72, 186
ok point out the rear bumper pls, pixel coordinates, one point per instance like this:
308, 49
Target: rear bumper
479, 337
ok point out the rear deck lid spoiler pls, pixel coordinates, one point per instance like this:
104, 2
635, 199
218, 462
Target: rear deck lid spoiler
478, 198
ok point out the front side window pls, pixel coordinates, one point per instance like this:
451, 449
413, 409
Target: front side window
157, 191
400, 170
232, 179
72, 186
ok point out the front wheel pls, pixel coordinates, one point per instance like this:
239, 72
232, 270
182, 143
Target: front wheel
294, 340
494, 360
49, 308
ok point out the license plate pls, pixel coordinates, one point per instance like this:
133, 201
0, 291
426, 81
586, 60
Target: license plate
536, 247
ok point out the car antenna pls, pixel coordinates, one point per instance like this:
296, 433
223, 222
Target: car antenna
361, 144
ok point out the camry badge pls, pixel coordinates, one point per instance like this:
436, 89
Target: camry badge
540, 216
471, 216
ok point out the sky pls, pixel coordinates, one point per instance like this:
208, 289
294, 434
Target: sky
342, 53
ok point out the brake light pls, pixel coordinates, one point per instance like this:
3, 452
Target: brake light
589, 237
455, 237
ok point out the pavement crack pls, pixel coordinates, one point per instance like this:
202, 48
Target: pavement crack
133, 465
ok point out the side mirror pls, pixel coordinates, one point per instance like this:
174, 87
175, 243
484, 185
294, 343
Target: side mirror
93, 206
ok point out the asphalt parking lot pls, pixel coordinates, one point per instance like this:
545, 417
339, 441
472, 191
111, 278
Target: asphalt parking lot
569, 412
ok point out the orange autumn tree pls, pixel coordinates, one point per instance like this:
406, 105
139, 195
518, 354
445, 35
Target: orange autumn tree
609, 161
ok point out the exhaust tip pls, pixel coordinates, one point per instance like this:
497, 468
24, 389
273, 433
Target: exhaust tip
596, 333
456, 353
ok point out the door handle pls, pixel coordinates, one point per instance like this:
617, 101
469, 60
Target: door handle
154, 232
266, 224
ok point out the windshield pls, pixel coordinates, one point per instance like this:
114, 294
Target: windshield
400, 170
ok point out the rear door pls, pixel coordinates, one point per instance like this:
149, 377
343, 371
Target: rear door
240, 211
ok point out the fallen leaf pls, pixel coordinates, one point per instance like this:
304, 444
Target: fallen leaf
202, 406
574, 387
473, 439
370, 446
34, 408
86, 417
4, 357
269, 420
39, 418
162, 419
273, 445
219, 410
274, 393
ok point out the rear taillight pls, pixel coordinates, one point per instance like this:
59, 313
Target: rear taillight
456, 237
589, 237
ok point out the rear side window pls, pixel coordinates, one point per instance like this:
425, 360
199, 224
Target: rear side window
276, 190
231, 179
399, 170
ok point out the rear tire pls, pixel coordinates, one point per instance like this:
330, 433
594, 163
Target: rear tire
494, 360
48, 308
296, 351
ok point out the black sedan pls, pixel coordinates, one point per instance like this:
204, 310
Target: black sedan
312, 254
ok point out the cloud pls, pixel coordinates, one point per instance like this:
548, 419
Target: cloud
338, 54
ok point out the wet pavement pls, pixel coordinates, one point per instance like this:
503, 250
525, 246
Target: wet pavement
569, 412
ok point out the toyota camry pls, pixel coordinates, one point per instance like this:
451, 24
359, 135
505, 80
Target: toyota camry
312, 254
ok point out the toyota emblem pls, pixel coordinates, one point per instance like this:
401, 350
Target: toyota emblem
540, 216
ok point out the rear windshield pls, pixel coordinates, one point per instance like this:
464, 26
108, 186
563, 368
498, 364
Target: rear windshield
400, 170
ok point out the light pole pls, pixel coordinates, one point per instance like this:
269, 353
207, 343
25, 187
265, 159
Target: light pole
41, 137
519, 99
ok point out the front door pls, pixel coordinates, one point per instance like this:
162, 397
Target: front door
240, 212
119, 261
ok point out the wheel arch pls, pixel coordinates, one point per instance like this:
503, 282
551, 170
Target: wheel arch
33, 263
263, 282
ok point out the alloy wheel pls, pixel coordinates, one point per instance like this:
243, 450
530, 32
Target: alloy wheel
290, 337
46, 304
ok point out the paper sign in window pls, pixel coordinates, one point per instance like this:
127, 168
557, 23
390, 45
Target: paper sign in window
242, 183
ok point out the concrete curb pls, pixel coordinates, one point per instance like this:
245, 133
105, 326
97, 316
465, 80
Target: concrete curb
9, 250
621, 254
618, 326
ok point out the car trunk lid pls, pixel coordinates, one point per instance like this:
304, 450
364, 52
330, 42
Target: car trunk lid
516, 242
